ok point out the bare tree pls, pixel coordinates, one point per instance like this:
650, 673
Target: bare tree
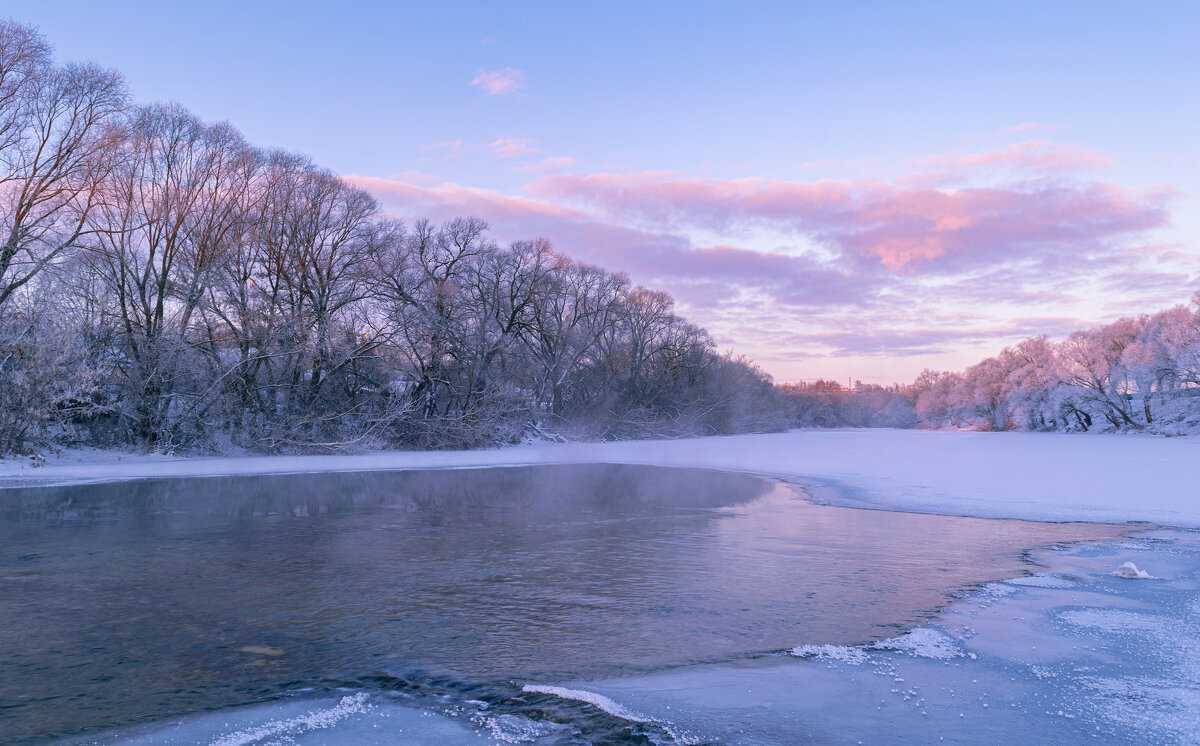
421, 281
502, 292
59, 137
581, 304
24, 57
167, 284
170, 211
1091, 363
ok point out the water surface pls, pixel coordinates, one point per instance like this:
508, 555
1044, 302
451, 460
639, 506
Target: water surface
130, 602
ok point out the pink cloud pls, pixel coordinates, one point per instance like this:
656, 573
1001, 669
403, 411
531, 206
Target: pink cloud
413, 177
1037, 156
513, 147
443, 201
892, 255
452, 148
502, 148
896, 226
893, 342
699, 274
640, 222
503, 82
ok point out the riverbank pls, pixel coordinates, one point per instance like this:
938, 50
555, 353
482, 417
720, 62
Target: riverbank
1028, 476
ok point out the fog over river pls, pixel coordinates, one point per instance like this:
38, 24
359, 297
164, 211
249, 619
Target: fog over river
445, 592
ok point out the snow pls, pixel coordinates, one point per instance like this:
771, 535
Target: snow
1099, 661
1034, 476
355, 719
612, 708
843, 653
922, 642
1042, 580
517, 729
318, 720
1130, 571
1073, 654
591, 698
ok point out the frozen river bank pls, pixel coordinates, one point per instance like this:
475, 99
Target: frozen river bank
449, 590
728, 614
1030, 476
1071, 655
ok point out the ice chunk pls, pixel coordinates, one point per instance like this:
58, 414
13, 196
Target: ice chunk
842, 653
1041, 580
922, 642
997, 590
1131, 571
354, 719
967, 473
591, 698
516, 729
1113, 620
350, 705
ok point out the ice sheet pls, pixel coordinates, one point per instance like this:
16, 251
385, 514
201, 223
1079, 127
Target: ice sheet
351, 719
1104, 659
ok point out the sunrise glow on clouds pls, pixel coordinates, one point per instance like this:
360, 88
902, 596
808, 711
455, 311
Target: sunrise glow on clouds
833, 190
966, 252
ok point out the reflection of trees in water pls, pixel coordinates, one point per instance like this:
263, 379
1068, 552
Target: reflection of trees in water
456, 495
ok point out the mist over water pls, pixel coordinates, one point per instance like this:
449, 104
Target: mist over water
133, 601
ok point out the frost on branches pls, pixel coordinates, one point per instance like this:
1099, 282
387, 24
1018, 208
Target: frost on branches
1133, 374
164, 284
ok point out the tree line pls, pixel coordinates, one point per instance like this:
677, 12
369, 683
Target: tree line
164, 284
1138, 373
824, 403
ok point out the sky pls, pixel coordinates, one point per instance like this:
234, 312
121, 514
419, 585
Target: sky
847, 191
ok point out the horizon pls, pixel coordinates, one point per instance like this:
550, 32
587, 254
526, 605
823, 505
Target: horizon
962, 186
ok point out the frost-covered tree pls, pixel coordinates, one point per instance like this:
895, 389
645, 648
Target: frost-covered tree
164, 284
60, 133
578, 306
1134, 373
171, 208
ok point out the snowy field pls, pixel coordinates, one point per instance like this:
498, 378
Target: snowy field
1034, 476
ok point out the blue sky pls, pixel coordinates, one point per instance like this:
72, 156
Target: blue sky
733, 155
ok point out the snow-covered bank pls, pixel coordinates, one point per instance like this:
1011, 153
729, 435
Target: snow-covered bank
1035, 476
1076, 656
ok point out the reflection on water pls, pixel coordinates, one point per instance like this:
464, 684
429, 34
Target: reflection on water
137, 600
